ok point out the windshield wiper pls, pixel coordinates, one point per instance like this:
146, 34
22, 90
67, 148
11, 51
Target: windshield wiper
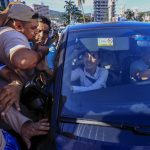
143, 130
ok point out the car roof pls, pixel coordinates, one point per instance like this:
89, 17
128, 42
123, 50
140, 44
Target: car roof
95, 25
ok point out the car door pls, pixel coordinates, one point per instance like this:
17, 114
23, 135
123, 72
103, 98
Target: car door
115, 117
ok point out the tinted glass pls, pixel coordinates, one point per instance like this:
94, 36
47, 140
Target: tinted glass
107, 72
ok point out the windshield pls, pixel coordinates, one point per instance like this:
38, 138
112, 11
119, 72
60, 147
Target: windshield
106, 74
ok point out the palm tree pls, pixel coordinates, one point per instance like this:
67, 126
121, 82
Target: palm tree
80, 4
69, 6
72, 12
130, 15
76, 12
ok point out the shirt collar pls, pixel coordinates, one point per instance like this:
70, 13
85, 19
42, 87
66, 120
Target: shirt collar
92, 76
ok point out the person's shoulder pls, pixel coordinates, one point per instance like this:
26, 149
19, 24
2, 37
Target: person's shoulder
10, 33
79, 70
102, 70
6, 29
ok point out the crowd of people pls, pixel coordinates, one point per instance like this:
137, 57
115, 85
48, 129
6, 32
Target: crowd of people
25, 47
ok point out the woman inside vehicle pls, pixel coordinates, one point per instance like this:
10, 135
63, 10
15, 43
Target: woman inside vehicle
91, 76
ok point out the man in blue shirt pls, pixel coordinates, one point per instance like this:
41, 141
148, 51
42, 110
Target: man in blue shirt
50, 58
140, 69
43, 38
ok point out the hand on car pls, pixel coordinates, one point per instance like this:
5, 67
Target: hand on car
9, 95
30, 129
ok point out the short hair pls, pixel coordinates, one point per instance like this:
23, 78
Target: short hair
35, 16
92, 53
46, 21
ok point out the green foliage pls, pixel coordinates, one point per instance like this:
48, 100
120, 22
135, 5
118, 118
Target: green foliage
72, 12
140, 17
129, 14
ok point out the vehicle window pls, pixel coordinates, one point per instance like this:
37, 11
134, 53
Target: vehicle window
102, 65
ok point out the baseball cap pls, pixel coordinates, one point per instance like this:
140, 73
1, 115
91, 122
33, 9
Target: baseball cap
21, 12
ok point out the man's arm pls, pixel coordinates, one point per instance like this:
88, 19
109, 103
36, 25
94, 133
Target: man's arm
24, 126
101, 81
10, 93
75, 74
8, 75
15, 119
42, 66
138, 71
19, 52
27, 59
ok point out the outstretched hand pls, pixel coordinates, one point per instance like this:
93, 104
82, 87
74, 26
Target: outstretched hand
30, 129
9, 95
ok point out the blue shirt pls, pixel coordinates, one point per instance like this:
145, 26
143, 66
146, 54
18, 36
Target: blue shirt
138, 66
51, 56
86, 84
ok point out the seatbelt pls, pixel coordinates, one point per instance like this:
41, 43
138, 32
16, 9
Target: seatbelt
91, 79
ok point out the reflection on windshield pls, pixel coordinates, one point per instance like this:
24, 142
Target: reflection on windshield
103, 68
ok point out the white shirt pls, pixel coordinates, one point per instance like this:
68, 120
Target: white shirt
100, 77
11, 41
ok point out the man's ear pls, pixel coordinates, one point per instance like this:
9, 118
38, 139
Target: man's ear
18, 25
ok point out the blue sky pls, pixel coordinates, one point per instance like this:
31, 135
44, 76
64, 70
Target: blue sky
141, 5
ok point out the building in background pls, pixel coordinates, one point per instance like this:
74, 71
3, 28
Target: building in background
100, 10
122, 11
111, 10
104, 10
42, 9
